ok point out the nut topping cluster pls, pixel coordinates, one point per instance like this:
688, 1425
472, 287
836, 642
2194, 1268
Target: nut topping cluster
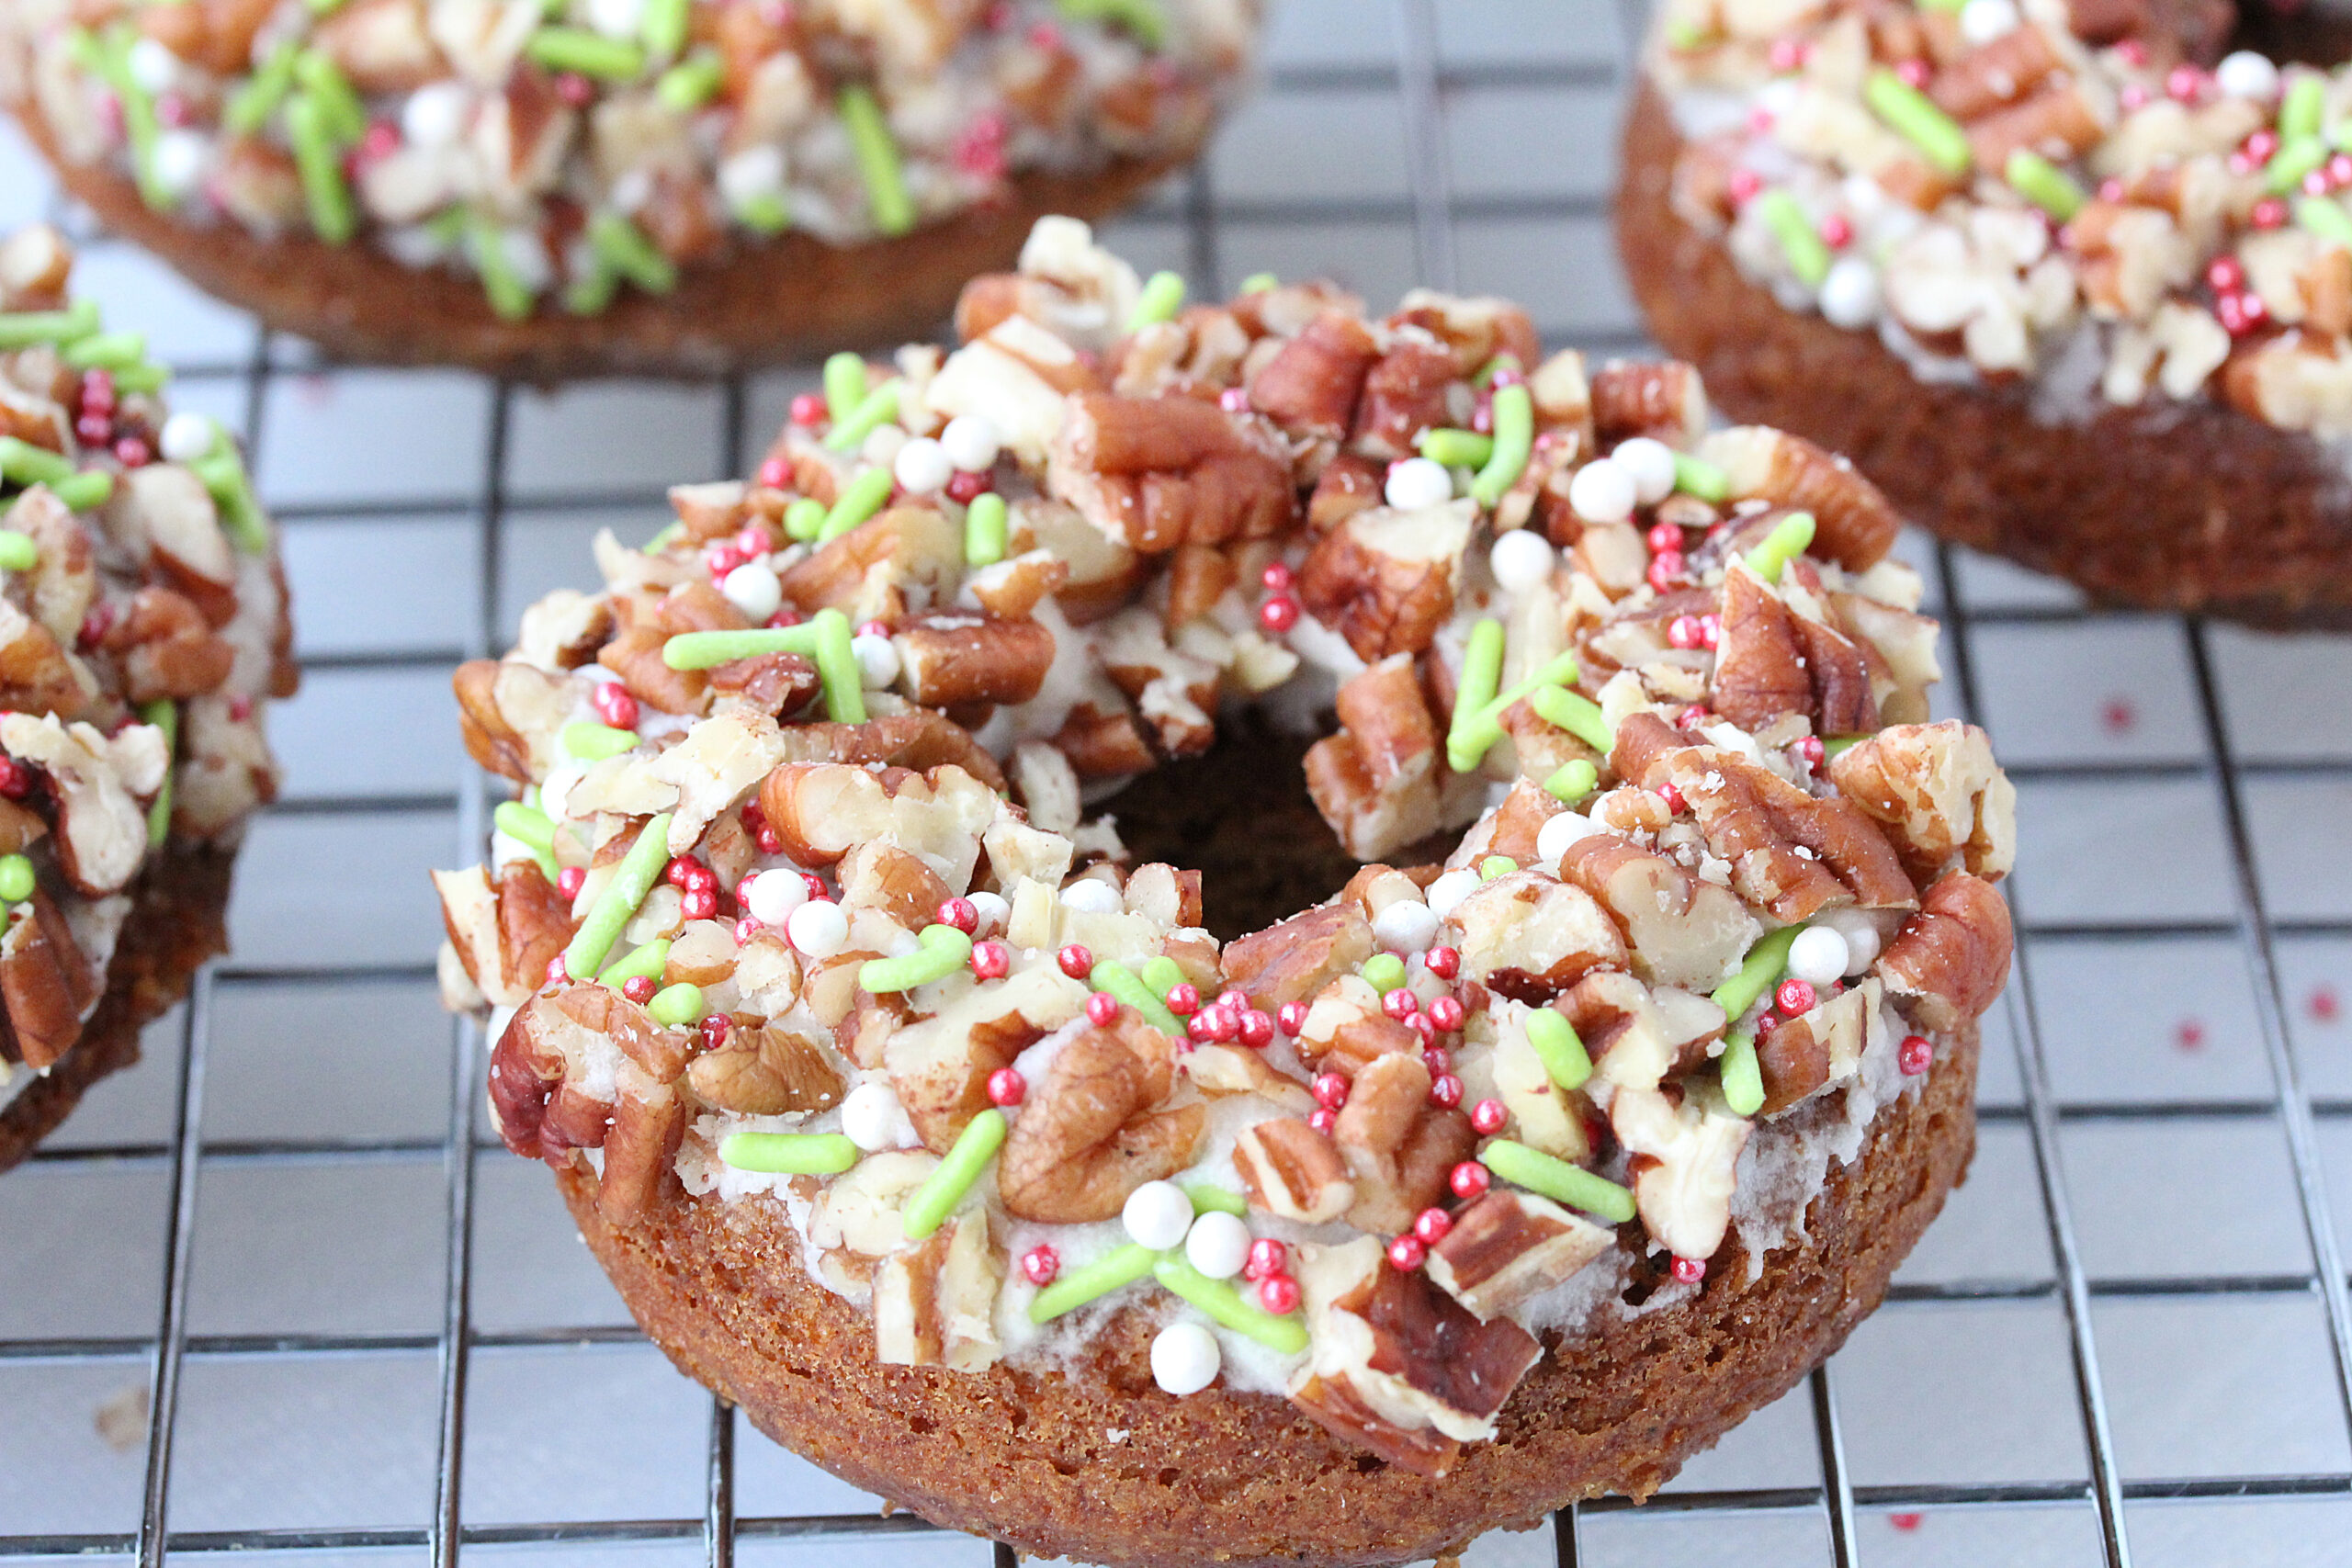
797, 904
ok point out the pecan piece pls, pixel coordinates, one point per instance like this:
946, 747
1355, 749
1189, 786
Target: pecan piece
1805, 1054
1773, 662
1685, 1165
1510, 1245
1937, 787
877, 874
35, 674
1376, 780
1292, 1172
956, 656
1294, 960
1855, 525
1529, 937
1386, 580
1404, 394
1099, 1126
1347, 485
934, 1304
1950, 960
1156, 473
166, 647
45, 982
939, 1066
1311, 385
765, 1071
1398, 1147
1662, 399
1681, 930
866, 572
824, 809
98, 781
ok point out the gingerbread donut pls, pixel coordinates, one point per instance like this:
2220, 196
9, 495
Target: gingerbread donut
610, 186
2063, 292
143, 625
914, 1115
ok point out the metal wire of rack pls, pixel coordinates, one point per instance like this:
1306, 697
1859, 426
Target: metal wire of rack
2001, 1408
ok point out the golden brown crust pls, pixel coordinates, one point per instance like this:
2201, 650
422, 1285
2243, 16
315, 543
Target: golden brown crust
785, 299
177, 922
1028, 1456
2186, 506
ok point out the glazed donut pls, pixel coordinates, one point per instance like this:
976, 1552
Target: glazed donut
142, 625
662, 186
910, 1114
2063, 292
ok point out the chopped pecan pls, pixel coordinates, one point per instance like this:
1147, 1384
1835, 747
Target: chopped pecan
2059, 122
1773, 660
1346, 1029
1198, 576
1951, 958
866, 572
1293, 960
922, 740
215, 34
1347, 485
1404, 394
166, 647
1637, 1036
533, 922
1292, 1172
824, 809
1937, 787
1994, 74
1510, 1245
954, 657
939, 1065
1855, 526
934, 1304
635, 655
1529, 937
1220, 1071
1102, 745
1156, 473
35, 263
775, 683
37, 676
1475, 329
1311, 385
63, 582
879, 874
1399, 1148
1046, 786
1386, 580
1376, 780
1685, 1165
381, 45
97, 780
642, 1150
861, 1209
46, 983
1680, 928
1164, 895
1802, 1056
1662, 399
1012, 588
1099, 1126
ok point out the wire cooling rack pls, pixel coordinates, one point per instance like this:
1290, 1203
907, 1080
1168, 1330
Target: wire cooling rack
275, 1296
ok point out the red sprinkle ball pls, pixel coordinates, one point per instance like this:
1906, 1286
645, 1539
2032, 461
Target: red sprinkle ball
614, 705
1184, 999
1291, 1016
714, 1031
1430, 1224
1007, 1087
1814, 753
1665, 569
1794, 998
1277, 614
1446, 1014
1684, 631
1257, 1030
1442, 962
1324, 1120
698, 903
1672, 794
568, 882
1330, 1090
991, 960
1837, 232
639, 989
1690, 1270
1445, 1091
1400, 1004
1914, 1056
557, 973
1267, 1257
1278, 1293
1469, 1179
2271, 212
1488, 1117
1407, 1253
1743, 185
1076, 962
1277, 578
1437, 1061
1913, 72
1039, 1265
966, 486
1101, 1009
961, 913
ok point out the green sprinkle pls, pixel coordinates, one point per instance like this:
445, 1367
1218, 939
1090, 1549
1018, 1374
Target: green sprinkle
141, 378
1915, 117
1684, 35
320, 167
2045, 184
1162, 974
1559, 1180
1514, 442
106, 351
222, 472
676, 1007
17, 551
690, 84
1944, 5
1485, 377
946, 1187
2294, 159
1839, 745
2301, 107
664, 26
844, 385
1576, 713
25, 328
1207, 1197
2324, 218
165, 714
1457, 448
1807, 252
16, 879
1469, 743
788, 1153
524, 824
1741, 1075
824, 638
860, 500
1787, 541
1162, 297
1110, 975
669, 536
253, 104
1384, 970
1221, 1299
1757, 971
593, 742
1141, 17
1573, 781
592, 291
346, 117
943, 951
873, 410
622, 245
617, 904
85, 491
1558, 1046
1123, 1266
644, 963
1496, 866
1260, 283
878, 161
803, 519
1695, 475
984, 530
765, 213
1482, 672
140, 126
23, 463
586, 53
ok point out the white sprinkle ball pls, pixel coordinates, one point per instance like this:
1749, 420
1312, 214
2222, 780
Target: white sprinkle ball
1184, 1358
1982, 21
756, 174
1091, 896
971, 442
616, 18
1602, 492
755, 589
1652, 465
1448, 891
1217, 1244
1861, 933
818, 928
2246, 74
1157, 1215
1849, 294
775, 895
1817, 956
434, 115
870, 1116
1417, 482
1522, 560
1407, 926
1552, 839
921, 466
992, 909
153, 66
179, 159
878, 661
188, 436
881, 448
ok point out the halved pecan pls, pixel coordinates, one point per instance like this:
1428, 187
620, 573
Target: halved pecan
1099, 1126
1386, 580
1511, 1246
46, 983
1855, 525
955, 656
1681, 930
1950, 960
1293, 960
1937, 787
1529, 937
1399, 1149
1772, 661
765, 1071
1155, 473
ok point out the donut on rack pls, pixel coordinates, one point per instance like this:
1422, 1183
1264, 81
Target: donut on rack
143, 625
553, 187
912, 1116
2061, 290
